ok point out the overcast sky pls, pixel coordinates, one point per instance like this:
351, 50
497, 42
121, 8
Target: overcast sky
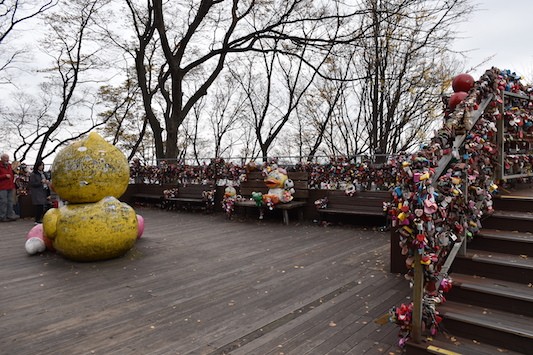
503, 28
499, 28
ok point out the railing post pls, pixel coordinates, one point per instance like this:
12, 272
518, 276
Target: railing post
500, 169
418, 295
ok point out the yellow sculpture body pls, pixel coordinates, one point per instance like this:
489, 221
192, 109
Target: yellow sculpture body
89, 170
90, 175
92, 231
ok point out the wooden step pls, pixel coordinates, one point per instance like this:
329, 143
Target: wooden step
447, 344
511, 242
513, 203
509, 220
514, 268
501, 329
496, 294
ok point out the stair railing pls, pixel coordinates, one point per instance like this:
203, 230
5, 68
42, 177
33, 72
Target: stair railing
459, 246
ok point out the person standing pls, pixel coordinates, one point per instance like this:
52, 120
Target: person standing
7, 190
39, 190
16, 167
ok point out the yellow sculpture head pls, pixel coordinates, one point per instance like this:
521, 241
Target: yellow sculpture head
89, 170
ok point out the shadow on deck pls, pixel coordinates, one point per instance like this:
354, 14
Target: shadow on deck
200, 284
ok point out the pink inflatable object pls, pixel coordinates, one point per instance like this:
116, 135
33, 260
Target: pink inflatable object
140, 226
36, 242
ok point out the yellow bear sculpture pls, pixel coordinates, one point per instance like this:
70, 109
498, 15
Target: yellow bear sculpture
94, 225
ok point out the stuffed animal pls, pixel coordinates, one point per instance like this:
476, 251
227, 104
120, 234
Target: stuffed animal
209, 198
258, 198
36, 242
228, 201
280, 187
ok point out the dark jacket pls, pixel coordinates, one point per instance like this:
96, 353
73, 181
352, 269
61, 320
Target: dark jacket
37, 191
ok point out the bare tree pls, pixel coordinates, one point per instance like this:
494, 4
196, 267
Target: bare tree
228, 107
404, 64
322, 109
12, 14
123, 116
74, 49
274, 94
55, 117
195, 47
24, 122
190, 133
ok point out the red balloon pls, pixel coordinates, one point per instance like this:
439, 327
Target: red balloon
455, 99
462, 82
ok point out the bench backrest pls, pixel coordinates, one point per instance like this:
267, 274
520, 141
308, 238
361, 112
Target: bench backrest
152, 189
256, 183
193, 190
367, 200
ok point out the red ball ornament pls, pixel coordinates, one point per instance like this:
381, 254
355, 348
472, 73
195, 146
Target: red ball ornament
462, 82
455, 99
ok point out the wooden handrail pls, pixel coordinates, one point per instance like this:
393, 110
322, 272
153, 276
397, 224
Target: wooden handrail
459, 140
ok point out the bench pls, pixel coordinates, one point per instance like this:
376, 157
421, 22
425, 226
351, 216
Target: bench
149, 194
255, 183
362, 203
190, 196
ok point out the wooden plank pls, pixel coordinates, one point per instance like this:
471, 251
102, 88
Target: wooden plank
184, 199
521, 237
351, 212
511, 290
500, 258
356, 203
147, 196
507, 322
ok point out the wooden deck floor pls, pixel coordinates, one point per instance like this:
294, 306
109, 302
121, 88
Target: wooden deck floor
200, 284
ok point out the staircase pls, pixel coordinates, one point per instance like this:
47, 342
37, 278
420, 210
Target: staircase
490, 307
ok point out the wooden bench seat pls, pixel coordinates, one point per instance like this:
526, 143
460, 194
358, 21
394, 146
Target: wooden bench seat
255, 183
362, 203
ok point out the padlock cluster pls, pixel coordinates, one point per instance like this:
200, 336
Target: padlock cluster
430, 213
517, 135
